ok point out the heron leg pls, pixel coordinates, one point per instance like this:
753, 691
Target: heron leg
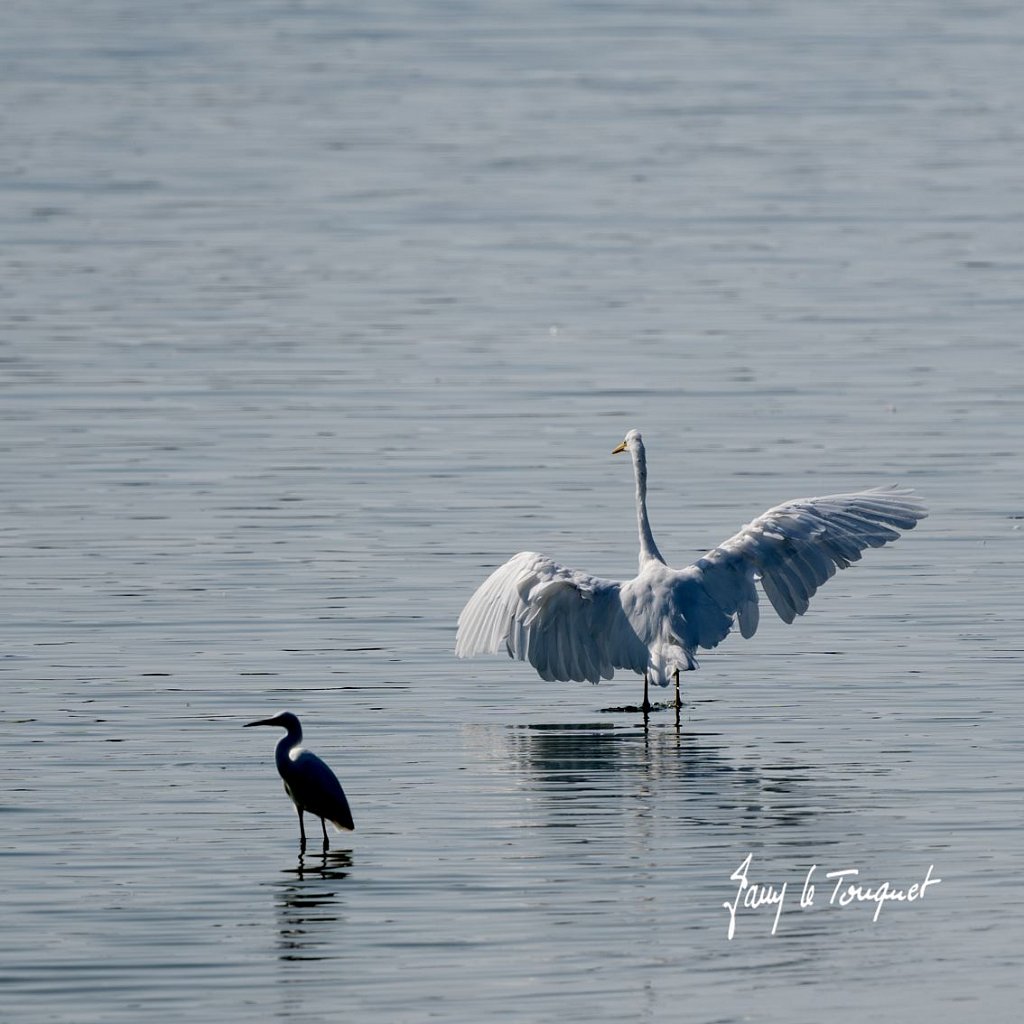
302, 832
646, 706
323, 825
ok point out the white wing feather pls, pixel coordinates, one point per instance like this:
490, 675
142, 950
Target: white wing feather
567, 624
795, 547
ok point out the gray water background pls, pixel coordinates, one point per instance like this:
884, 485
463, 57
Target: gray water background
313, 313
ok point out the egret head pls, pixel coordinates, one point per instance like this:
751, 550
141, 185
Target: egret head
632, 441
286, 720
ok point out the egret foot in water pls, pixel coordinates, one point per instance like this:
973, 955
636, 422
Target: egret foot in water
637, 709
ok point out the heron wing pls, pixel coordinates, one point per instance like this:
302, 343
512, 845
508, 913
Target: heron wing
316, 789
795, 547
567, 624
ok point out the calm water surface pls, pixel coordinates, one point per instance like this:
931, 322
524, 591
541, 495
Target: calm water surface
312, 314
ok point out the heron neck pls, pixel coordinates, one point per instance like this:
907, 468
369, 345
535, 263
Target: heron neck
648, 549
285, 745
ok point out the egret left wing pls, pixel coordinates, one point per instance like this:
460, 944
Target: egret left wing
567, 624
795, 547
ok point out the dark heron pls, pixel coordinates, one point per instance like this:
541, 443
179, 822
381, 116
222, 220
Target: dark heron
310, 783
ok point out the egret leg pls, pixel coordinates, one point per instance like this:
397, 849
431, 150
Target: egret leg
646, 706
679, 702
323, 825
302, 833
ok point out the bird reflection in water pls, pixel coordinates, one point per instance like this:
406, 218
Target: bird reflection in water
330, 864
599, 771
585, 752
308, 906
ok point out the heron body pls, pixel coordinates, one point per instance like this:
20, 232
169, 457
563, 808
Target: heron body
570, 625
308, 781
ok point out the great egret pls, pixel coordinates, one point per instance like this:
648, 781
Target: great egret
570, 625
310, 783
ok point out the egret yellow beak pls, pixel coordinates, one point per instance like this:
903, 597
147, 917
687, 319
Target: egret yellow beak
621, 448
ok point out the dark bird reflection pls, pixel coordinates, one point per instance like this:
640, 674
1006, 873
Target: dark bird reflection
308, 905
582, 769
328, 864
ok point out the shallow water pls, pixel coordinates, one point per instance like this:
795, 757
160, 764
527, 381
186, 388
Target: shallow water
311, 316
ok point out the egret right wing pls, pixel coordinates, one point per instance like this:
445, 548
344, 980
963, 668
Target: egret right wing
568, 625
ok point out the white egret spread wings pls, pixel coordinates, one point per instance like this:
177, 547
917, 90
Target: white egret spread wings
570, 625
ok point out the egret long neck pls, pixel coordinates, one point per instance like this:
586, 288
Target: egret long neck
648, 549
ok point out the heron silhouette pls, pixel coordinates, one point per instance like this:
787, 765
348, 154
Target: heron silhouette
308, 781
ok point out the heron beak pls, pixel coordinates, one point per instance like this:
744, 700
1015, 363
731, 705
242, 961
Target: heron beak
621, 448
264, 721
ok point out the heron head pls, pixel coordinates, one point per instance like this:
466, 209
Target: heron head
630, 443
286, 720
